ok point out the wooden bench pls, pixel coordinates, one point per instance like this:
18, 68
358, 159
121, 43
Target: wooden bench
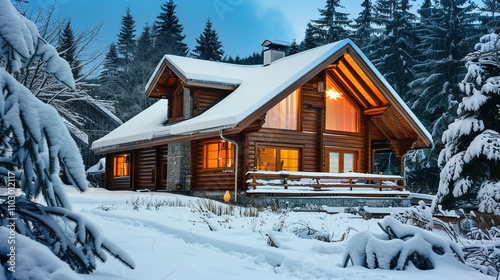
320, 180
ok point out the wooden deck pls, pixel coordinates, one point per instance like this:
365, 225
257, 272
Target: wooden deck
283, 183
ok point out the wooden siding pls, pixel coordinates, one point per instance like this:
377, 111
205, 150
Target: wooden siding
210, 179
116, 183
203, 98
145, 169
311, 139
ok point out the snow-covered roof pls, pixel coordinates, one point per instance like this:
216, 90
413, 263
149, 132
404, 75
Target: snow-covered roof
254, 85
138, 129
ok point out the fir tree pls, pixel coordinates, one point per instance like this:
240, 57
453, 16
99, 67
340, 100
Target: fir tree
470, 177
111, 63
67, 49
126, 39
446, 34
489, 19
209, 47
311, 38
144, 50
294, 48
168, 36
332, 25
395, 46
363, 25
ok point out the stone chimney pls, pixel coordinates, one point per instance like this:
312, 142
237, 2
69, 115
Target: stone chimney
273, 50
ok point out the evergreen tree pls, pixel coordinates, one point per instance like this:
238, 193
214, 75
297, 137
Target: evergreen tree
209, 47
489, 18
393, 50
294, 48
111, 63
446, 34
144, 50
168, 36
253, 59
126, 39
67, 49
332, 25
470, 177
363, 25
311, 39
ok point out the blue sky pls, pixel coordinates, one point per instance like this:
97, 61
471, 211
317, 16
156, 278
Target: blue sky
242, 25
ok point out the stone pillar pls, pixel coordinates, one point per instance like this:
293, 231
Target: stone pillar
178, 166
179, 155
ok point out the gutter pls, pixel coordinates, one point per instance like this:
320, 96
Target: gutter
236, 159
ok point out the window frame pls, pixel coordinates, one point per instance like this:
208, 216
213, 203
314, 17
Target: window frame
342, 152
124, 171
259, 163
176, 105
229, 155
298, 111
349, 99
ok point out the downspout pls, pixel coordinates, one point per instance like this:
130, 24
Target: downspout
235, 165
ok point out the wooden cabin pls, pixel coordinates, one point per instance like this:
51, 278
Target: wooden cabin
322, 110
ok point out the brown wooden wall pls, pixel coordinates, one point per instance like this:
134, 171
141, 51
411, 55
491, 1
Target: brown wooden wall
311, 139
150, 168
204, 98
208, 179
145, 169
118, 183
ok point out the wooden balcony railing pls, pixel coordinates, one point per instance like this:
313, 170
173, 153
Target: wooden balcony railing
319, 180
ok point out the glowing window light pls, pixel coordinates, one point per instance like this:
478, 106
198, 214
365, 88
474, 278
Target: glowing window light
333, 94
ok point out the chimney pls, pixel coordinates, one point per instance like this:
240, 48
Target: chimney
273, 50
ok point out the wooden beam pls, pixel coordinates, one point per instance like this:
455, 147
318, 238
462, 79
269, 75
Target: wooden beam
375, 111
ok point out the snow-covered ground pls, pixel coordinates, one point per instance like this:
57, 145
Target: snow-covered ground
176, 242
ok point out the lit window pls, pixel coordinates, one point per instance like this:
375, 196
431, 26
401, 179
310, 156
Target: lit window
276, 159
341, 162
218, 155
285, 114
341, 114
121, 165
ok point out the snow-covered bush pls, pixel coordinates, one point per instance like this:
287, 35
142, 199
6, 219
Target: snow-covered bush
482, 247
470, 160
420, 216
78, 245
305, 230
399, 246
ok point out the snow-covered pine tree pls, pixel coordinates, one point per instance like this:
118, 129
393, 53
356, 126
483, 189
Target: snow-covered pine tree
168, 37
446, 32
34, 142
208, 45
470, 177
67, 49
